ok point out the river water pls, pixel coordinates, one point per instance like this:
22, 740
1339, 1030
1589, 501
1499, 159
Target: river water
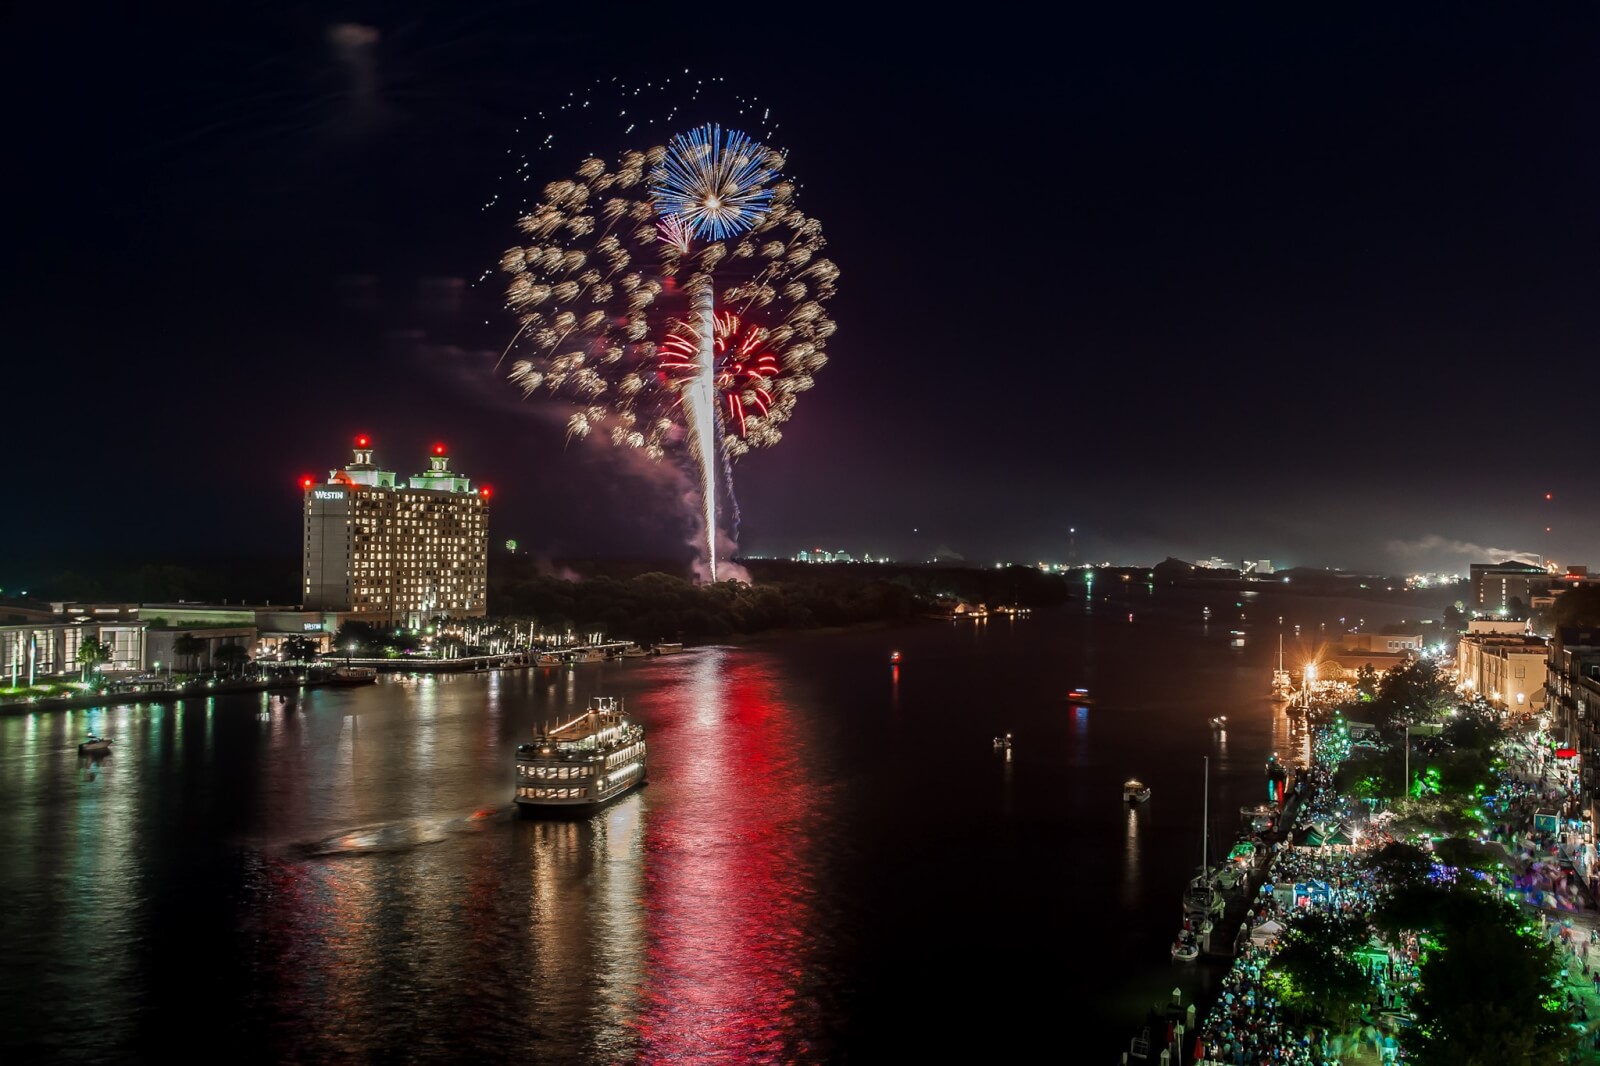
830, 862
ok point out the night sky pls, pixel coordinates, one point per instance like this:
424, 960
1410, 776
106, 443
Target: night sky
1310, 286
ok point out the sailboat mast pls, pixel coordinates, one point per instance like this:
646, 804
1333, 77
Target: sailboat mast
1205, 821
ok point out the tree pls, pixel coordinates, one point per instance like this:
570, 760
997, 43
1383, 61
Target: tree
1410, 693
298, 649
90, 654
1466, 852
1484, 994
190, 647
1367, 682
1316, 974
230, 657
1475, 726
1577, 607
1400, 864
1484, 997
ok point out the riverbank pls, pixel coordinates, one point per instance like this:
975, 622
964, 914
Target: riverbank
1362, 891
187, 690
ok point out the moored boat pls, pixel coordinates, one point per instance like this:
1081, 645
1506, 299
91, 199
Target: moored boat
1185, 948
668, 649
1282, 683
95, 746
588, 761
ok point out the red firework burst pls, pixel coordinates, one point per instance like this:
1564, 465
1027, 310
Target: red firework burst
744, 368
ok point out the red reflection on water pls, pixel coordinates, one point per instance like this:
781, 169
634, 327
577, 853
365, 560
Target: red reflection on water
729, 889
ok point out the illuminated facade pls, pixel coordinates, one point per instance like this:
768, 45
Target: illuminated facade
1507, 588
50, 649
1507, 669
395, 552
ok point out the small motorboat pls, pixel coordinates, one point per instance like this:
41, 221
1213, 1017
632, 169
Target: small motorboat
894, 658
1080, 697
1002, 743
95, 746
1135, 791
1220, 722
1185, 948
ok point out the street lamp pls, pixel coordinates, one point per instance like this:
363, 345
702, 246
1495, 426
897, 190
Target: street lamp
1408, 762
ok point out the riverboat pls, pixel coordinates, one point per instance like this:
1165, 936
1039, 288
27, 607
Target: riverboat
583, 763
633, 651
1135, 791
353, 675
1079, 697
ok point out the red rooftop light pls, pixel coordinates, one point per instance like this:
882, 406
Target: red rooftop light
484, 492
438, 449
363, 441
307, 482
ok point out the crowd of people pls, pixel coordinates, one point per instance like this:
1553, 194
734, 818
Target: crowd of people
1246, 1026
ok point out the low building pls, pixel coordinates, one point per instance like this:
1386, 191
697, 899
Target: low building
35, 650
165, 647
1504, 626
1507, 669
1388, 643
1346, 665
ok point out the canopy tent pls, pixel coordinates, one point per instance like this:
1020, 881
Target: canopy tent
1327, 834
1266, 932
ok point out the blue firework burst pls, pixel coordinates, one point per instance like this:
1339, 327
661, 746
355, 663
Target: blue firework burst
715, 181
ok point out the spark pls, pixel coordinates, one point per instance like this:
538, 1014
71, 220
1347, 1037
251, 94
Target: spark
716, 182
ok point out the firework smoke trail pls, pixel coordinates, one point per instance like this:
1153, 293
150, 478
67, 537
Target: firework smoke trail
700, 401
734, 518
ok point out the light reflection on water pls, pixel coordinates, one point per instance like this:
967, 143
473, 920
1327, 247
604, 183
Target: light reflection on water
340, 875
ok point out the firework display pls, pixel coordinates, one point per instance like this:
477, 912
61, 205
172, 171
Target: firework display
742, 370
676, 295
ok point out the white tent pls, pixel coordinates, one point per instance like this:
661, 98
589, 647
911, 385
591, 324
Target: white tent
1266, 932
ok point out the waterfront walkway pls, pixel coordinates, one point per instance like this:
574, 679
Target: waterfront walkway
1247, 1025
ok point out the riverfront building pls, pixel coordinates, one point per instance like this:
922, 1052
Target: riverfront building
395, 552
49, 649
1507, 669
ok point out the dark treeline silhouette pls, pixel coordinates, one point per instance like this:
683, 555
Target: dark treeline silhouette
109, 579
659, 606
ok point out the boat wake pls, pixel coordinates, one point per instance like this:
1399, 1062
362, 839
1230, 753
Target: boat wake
404, 835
